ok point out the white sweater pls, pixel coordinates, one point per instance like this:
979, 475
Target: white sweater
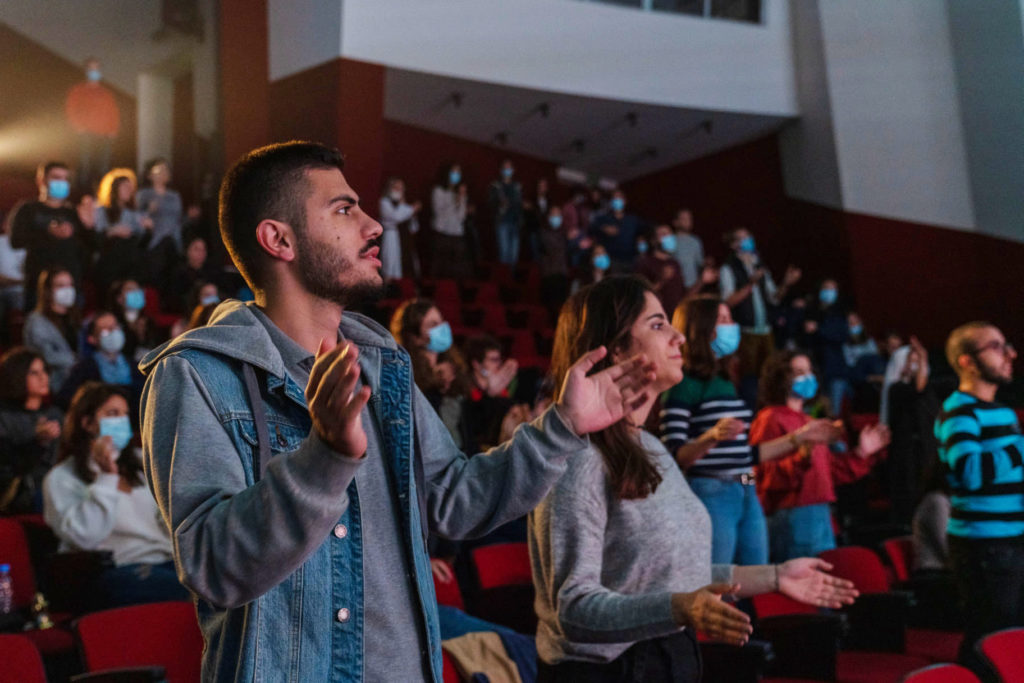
99, 516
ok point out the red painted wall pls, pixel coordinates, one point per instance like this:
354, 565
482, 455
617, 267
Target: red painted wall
33, 85
244, 76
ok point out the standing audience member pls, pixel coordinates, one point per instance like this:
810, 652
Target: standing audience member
535, 218
621, 548
827, 330
12, 282
981, 445
748, 289
506, 199
660, 268
97, 499
554, 260
704, 426
449, 203
163, 206
689, 251
864, 364
797, 489
595, 269
398, 218
50, 230
29, 431
51, 330
121, 230
617, 231
92, 112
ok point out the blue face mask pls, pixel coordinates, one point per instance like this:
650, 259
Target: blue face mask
828, 296
135, 300
641, 247
668, 243
119, 429
506, 173
805, 386
440, 338
454, 177
112, 341
747, 245
555, 222
93, 75
618, 203
727, 339
602, 262
855, 330
210, 299
58, 189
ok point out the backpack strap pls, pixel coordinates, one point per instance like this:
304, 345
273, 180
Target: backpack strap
259, 418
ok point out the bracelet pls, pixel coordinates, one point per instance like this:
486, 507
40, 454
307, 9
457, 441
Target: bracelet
793, 440
776, 576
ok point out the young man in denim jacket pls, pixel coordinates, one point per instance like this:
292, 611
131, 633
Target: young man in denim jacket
297, 465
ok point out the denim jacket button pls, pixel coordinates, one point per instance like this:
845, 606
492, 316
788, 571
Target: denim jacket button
341, 531
343, 614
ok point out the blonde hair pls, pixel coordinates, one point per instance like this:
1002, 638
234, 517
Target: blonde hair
103, 197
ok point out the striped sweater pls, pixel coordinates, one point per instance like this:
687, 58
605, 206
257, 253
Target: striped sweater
691, 408
980, 444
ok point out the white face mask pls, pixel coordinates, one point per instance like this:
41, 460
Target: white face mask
64, 296
395, 195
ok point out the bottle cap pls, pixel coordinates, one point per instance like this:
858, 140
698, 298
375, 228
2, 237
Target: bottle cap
5, 568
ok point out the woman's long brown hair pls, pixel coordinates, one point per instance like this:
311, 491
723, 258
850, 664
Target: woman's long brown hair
696, 319
602, 314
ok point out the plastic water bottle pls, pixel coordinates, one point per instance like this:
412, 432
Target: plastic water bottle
6, 590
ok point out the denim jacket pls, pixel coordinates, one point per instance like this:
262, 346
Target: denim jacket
275, 561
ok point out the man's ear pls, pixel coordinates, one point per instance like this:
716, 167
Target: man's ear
963, 360
276, 239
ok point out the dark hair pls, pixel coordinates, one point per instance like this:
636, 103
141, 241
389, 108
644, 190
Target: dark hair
696, 318
44, 301
269, 182
76, 442
201, 315
95, 317
408, 319
150, 165
961, 341
777, 377
602, 314
443, 173
477, 347
14, 367
44, 169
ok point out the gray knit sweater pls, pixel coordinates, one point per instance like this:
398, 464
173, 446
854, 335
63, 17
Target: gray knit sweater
605, 569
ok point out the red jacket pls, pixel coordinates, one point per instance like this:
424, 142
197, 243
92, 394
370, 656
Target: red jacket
91, 108
794, 480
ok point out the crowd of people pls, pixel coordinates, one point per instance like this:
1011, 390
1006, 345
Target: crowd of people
689, 442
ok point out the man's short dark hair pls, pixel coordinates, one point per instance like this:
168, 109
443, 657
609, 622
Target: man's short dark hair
268, 183
44, 169
961, 341
477, 347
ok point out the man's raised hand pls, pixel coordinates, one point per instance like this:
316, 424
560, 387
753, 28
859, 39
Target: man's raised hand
334, 404
591, 403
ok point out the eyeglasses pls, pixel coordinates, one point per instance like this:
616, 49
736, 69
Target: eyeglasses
1000, 347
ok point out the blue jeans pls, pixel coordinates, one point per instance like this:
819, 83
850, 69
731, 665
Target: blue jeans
133, 584
508, 242
802, 531
738, 531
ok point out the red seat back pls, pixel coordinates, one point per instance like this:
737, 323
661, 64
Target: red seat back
20, 659
776, 604
900, 552
158, 634
502, 564
941, 673
448, 593
860, 565
1005, 649
14, 551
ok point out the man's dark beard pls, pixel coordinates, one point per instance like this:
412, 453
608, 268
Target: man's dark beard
990, 375
319, 270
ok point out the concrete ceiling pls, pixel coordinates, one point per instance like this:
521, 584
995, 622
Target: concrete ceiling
600, 138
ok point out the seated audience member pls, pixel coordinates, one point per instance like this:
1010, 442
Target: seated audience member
96, 498
127, 301
621, 548
106, 364
930, 521
617, 231
29, 430
398, 219
660, 268
489, 399
797, 489
196, 268
51, 330
121, 230
827, 330
595, 270
12, 282
981, 446
704, 427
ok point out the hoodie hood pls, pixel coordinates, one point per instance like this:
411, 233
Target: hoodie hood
234, 331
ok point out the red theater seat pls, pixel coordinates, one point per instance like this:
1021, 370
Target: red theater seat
1005, 651
20, 661
941, 673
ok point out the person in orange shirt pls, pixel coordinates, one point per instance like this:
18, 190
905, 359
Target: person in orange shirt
92, 112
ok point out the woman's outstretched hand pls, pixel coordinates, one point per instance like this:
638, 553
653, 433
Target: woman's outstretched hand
591, 403
806, 579
704, 611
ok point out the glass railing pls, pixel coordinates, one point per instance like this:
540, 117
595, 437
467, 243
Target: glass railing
736, 10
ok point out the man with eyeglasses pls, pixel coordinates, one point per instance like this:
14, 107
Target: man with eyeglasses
981, 445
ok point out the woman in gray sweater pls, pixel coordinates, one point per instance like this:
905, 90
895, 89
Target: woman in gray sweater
621, 548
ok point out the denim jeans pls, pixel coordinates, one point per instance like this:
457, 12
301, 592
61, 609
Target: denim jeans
739, 534
508, 242
133, 584
671, 659
802, 531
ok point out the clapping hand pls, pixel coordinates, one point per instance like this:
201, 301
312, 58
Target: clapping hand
727, 429
591, 403
104, 454
334, 404
873, 438
499, 380
805, 579
47, 430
